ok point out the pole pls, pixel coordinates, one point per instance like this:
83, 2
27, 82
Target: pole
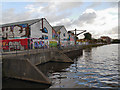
42, 23
59, 39
75, 37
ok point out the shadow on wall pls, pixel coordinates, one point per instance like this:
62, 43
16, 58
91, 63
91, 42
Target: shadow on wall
16, 83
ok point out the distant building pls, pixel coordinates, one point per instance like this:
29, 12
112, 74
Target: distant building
63, 32
36, 28
88, 36
71, 38
106, 39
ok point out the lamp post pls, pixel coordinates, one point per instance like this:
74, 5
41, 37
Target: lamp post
59, 38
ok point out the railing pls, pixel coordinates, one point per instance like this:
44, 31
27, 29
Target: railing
17, 48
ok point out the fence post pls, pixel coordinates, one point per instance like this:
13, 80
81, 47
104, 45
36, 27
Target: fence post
16, 49
9, 48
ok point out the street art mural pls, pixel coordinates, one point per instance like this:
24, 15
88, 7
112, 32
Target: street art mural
15, 31
39, 44
15, 44
64, 43
54, 35
34, 44
53, 43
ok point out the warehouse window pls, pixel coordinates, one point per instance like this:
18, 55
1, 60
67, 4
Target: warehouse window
64, 34
44, 30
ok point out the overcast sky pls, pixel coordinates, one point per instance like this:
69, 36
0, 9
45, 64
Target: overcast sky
98, 18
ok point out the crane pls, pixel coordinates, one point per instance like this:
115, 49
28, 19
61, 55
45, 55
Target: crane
78, 33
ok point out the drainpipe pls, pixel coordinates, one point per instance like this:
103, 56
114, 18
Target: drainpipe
42, 23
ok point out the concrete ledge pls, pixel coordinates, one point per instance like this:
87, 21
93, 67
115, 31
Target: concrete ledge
59, 56
23, 69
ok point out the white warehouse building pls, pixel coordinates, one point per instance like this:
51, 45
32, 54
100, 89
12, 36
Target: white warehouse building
63, 32
36, 28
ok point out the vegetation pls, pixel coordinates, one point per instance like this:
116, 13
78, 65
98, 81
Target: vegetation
88, 36
116, 41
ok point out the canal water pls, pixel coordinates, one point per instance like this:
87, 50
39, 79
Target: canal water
98, 67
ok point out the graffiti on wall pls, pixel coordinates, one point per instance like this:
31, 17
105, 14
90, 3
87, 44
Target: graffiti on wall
14, 31
15, 44
39, 44
53, 34
43, 44
53, 43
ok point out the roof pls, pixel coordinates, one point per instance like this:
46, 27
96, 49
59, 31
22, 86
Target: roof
29, 22
57, 28
104, 37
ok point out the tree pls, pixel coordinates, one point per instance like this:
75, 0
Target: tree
88, 36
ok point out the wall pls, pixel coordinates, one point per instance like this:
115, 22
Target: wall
35, 30
71, 38
38, 43
63, 30
15, 44
48, 27
15, 31
54, 34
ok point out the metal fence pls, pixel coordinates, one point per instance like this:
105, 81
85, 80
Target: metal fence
8, 48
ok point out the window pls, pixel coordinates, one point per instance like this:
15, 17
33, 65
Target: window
44, 30
64, 34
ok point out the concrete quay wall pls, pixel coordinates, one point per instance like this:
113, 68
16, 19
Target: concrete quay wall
22, 64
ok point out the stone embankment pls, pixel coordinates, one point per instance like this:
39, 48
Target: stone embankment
22, 64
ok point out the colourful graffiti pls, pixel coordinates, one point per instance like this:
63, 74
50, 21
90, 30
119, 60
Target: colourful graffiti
53, 43
53, 34
15, 44
15, 31
40, 44
43, 44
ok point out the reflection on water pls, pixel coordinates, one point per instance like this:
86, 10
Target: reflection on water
52, 67
96, 68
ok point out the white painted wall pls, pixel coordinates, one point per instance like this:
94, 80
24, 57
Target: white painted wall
35, 30
48, 27
1, 32
63, 30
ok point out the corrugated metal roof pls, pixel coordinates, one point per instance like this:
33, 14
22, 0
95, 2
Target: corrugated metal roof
56, 28
29, 22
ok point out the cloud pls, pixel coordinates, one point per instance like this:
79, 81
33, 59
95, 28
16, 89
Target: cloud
97, 22
55, 12
87, 17
10, 16
52, 7
114, 30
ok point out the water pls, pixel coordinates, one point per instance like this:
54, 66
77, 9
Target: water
96, 68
